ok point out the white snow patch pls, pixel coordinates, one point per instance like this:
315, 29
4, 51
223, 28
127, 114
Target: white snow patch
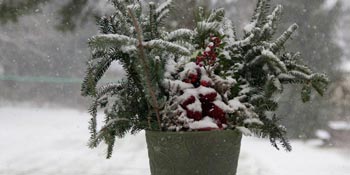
339, 125
196, 106
40, 141
170, 68
249, 27
175, 85
205, 90
206, 122
190, 68
226, 108
323, 134
235, 104
245, 131
207, 49
253, 121
329, 4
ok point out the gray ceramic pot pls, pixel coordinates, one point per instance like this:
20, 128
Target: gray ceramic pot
193, 153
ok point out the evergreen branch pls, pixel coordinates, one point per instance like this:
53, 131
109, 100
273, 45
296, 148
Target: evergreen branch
163, 7
205, 28
216, 15
301, 75
255, 19
145, 67
274, 132
94, 75
153, 20
272, 57
179, 34
186, 45
279, 43
319, 88
264, 11
246, 41
163, 10
289, 79
257, 10
306, 93
301, 68
93, 107
106, 41
104, 131
167, 46
229, 30
270, 26
251, 53
110, 145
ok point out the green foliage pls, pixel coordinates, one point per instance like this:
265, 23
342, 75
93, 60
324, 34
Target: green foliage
264, 67
129, 106
11, 11
257, 62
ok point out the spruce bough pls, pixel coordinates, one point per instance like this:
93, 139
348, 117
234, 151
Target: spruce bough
206, 78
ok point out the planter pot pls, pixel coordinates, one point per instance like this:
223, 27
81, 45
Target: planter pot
193, 153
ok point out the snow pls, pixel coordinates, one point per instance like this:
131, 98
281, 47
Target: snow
323, 134
249, 27
206, 122
190, 68
253, 121
196, 106
339, 125
205, 90
329, 4
175, 85
245, 131
235, 104
48, 141
226, 108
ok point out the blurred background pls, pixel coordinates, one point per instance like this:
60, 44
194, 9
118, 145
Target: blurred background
43, 51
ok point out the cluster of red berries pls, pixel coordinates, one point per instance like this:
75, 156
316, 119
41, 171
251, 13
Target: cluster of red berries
206, 99
208, 109
209, 55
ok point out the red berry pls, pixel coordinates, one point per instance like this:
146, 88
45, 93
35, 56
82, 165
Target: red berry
199, 58
216, 40
208, 97
217, 114
188, 101
213, 55
192, 76
196, 115
205, 83
206, 54
206, 106
187, 80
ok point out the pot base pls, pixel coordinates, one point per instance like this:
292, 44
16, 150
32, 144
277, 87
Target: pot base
193, 153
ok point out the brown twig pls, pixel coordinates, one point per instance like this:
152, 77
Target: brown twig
145, 66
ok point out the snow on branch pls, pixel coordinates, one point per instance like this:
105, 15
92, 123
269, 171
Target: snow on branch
107, 41
104, 130
179, 34
167, 46
163, 10
256, 16
217, 15
272, 57
207, 27
279, 43
270, 25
